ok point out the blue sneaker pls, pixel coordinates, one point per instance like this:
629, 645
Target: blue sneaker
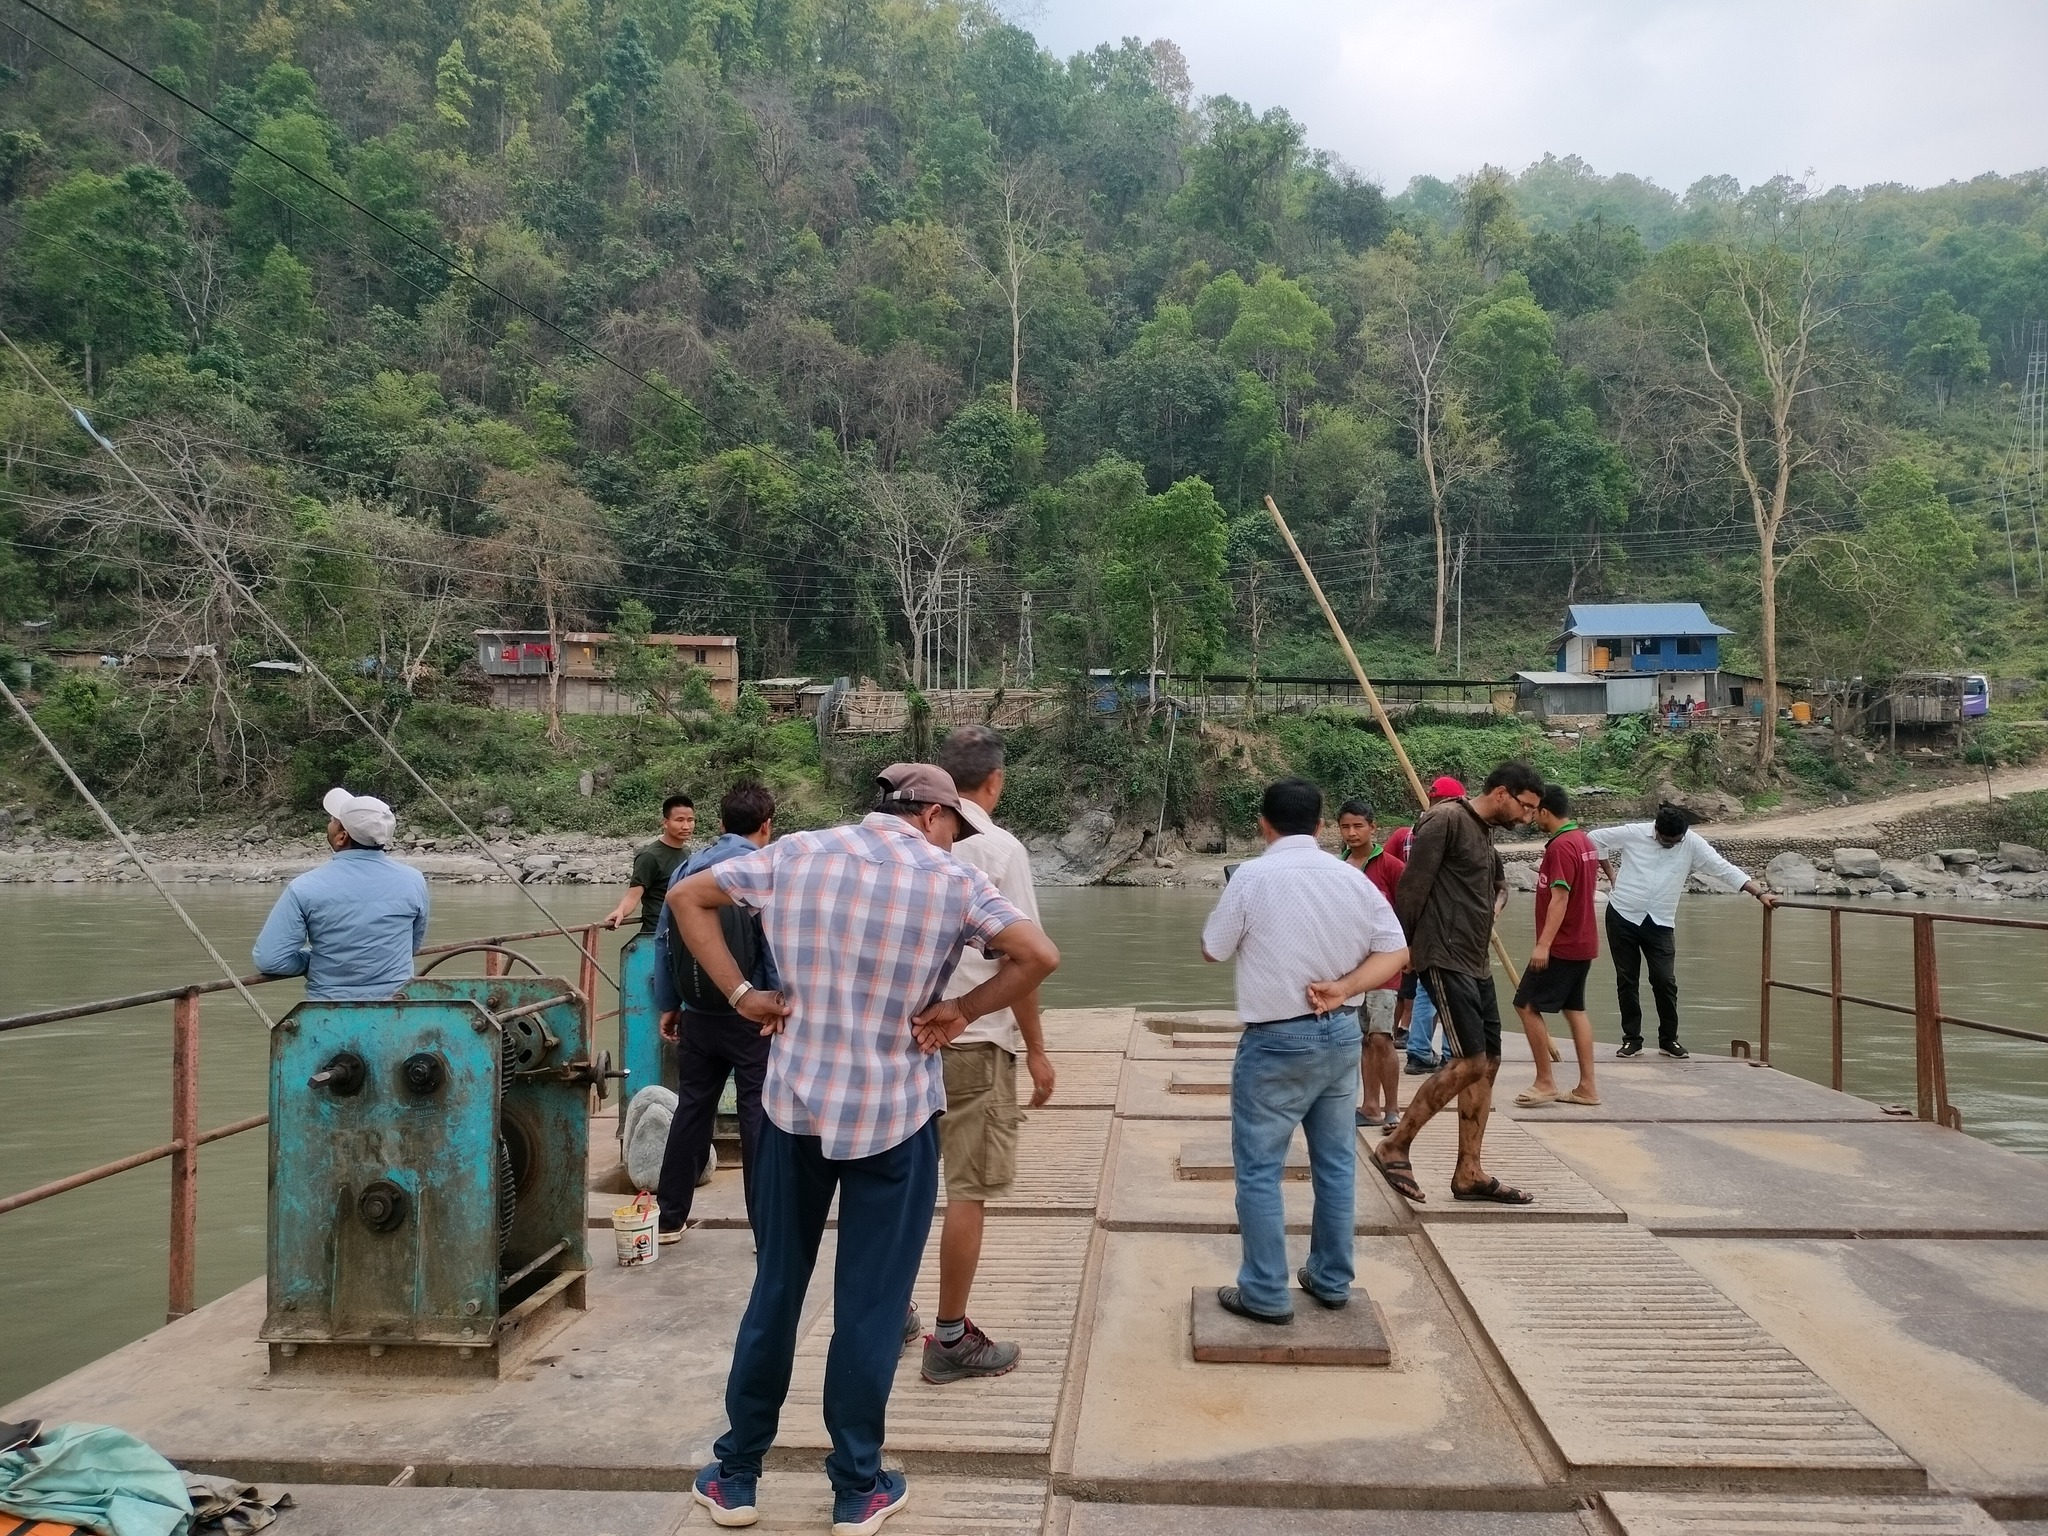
862, 1514
730, 1499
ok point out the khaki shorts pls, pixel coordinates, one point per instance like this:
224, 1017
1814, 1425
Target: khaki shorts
978, 1132
1378, 1012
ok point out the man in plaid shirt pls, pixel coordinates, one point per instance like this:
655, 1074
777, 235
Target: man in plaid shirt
866, 924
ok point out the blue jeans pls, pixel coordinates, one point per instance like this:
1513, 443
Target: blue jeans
1297, 1072
1422, 1024
885, 1215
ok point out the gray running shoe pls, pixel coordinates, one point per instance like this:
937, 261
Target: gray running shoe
913, 1328
975, 1355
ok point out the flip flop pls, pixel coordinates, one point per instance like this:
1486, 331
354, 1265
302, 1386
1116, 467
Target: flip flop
1400, 1175
1529, 1098
1555, 1053
1574, 1098
1494, 1191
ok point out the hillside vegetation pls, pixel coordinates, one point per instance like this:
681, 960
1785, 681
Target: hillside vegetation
781, 318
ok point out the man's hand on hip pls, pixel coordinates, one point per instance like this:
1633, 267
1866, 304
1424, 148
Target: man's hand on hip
766, 1009
939, 1025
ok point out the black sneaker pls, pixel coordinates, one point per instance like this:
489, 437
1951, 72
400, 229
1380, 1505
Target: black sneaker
1301, 1279
1672, 1049
1630, 1048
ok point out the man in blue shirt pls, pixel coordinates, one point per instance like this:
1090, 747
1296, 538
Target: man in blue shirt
352, 926
711, 1042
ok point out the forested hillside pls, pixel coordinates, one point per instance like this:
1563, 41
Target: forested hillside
768, 316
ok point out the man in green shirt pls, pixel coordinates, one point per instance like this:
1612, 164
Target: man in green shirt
655, 863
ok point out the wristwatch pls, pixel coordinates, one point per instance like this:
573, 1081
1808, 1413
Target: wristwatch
733, 997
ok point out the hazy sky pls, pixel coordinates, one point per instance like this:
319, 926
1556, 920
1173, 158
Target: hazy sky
1855, 91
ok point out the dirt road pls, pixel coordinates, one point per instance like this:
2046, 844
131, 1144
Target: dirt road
1871, 813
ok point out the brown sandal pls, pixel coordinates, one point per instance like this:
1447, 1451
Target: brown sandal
1495, 1191
1400, 1174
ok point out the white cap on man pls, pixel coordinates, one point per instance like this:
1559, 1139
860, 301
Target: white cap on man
365, 818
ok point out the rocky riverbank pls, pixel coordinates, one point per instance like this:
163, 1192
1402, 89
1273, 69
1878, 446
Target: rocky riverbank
1096, 850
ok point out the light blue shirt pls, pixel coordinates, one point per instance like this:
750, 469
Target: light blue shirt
350, 927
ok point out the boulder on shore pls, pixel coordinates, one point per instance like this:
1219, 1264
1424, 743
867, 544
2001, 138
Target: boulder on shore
1858, 863
1792, 874
2027, 860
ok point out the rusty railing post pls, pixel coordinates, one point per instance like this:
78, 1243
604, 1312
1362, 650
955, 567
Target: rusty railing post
1764, 1004
1835, 996
586, 983
1930, 1070
184, 1263
494, 963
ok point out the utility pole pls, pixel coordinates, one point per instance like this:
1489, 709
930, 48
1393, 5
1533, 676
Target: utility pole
1026, 663
1458, 582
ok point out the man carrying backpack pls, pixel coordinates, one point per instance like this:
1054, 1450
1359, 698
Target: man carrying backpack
713, 1040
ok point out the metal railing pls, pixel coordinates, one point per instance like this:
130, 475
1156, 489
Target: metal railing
186, 1136
1930, 1062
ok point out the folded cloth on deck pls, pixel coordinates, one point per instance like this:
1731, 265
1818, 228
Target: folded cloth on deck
93, 1476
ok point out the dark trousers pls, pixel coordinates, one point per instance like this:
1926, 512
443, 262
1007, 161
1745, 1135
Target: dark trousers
885, 1215
710, 1046
1631, 944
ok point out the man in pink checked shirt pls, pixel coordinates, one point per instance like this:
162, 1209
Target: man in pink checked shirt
866, 923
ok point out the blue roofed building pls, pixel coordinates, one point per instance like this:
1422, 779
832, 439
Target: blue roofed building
1673, 646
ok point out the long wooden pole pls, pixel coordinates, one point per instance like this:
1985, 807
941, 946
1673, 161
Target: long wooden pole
1372, 699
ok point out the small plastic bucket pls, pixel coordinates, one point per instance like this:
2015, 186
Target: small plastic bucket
633, 1226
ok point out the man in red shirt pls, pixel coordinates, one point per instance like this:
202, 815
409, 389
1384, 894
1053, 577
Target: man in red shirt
1379, 1064
1567, 943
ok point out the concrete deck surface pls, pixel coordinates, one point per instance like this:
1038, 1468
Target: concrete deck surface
1700, 1328
1901, 1178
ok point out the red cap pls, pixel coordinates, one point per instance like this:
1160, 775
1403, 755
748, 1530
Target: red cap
1447, 788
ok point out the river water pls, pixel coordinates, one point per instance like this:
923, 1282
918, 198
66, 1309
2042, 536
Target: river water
84, 1272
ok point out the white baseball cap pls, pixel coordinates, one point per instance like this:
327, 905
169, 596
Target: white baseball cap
365, 818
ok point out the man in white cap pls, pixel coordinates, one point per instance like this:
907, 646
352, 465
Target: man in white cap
352, 926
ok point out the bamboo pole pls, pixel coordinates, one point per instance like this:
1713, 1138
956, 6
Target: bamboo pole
1372, 699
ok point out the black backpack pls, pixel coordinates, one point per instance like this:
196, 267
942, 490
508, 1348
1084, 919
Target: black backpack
743, 937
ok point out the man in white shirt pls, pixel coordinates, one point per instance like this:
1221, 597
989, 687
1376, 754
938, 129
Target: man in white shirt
1648, 863
1311, 936
978, 1132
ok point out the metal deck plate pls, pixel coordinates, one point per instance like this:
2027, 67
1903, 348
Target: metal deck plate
1026, 1291
1706, 1514
1632, 1360
1083, 1080
1509, 1154
1059, 1161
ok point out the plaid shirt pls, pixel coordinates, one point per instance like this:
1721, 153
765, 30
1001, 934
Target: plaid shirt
866, 923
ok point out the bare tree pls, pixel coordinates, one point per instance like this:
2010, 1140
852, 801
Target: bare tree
1416, 301
1759, 326
551, 549
1028, 201
923, 528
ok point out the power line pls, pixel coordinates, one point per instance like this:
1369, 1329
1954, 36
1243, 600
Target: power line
226, 574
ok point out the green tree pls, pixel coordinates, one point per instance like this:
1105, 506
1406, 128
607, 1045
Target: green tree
95, 257
1164, 576
1945, 348
631, 70
454, 89
293, 203
1881, 599
1279, 333
1235, 175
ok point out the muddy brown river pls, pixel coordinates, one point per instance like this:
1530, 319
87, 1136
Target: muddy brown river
84, 1272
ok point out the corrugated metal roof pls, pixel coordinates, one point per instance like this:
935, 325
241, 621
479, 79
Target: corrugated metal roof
1630, 620
1560, 679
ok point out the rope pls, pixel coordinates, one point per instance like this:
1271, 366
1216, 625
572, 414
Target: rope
135, 853
221, 569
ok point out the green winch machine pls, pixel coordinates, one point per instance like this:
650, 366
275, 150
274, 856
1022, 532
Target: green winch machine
428, 1168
